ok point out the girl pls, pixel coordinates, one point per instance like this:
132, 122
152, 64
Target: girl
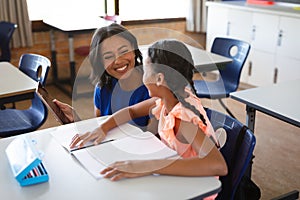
183, 124
115, 58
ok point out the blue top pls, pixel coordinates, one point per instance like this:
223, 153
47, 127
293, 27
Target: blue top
109, 101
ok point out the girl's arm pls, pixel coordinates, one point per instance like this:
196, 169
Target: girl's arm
212, 164
120, 117
194, 166
209, 162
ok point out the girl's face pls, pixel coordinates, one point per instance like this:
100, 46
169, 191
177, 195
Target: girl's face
118, 56
149, 78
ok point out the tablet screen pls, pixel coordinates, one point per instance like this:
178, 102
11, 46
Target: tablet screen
48, 100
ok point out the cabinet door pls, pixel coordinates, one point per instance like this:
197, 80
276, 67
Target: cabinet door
240, 27
240, 24
288, 68
262, 65
289, 37
216, 24
265, 32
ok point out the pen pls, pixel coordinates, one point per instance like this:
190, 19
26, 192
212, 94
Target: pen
77, 148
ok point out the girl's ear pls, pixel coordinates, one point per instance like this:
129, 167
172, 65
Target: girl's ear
160, 79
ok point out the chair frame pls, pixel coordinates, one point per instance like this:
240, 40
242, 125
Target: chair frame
225, 84
233, 126
6, 32
32, 118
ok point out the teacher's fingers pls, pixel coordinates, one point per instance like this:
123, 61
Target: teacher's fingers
59, 103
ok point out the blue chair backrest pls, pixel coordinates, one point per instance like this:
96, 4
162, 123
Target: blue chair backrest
244, 156
238, 51
6, 31
35, 66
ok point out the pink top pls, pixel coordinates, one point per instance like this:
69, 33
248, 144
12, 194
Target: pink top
167, 123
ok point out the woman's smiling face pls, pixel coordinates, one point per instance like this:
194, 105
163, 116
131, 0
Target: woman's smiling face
118, 56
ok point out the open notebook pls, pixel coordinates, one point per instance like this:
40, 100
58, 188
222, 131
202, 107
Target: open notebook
125, 142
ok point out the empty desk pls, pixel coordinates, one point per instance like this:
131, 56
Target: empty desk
14, 84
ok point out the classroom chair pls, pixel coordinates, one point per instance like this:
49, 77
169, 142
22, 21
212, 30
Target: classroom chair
229, 77
17, 121
243, 156
6, 32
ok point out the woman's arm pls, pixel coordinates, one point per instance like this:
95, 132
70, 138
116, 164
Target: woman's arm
97, 112
120, 117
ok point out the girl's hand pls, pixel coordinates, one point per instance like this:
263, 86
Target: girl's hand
126, 169
66, 109
97, 135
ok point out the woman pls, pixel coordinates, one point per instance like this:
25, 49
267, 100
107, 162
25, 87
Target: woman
116, 71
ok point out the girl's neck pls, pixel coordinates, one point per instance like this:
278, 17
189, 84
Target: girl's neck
169, 101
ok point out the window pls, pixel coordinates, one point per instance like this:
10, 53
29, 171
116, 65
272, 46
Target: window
128, 9
154, 9
40, 9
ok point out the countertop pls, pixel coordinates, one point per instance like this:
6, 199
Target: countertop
282, 9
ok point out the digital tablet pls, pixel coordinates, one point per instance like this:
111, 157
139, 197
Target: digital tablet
48, 101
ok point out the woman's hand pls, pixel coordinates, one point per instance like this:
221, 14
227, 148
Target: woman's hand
66, 109
126, 169
97, 135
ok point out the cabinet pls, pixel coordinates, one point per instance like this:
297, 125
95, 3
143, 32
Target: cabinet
273, 35
288, 56
261, 68
216, 24
223, 22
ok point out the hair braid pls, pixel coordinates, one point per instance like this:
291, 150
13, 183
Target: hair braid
189, 106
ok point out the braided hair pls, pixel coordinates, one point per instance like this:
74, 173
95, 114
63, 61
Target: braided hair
174, 60
99, 74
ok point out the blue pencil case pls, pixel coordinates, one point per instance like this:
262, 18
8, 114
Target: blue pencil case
26, 162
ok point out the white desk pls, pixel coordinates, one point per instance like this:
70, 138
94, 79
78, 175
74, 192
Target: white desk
71, 26
14, 84
279, 100
69, 180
